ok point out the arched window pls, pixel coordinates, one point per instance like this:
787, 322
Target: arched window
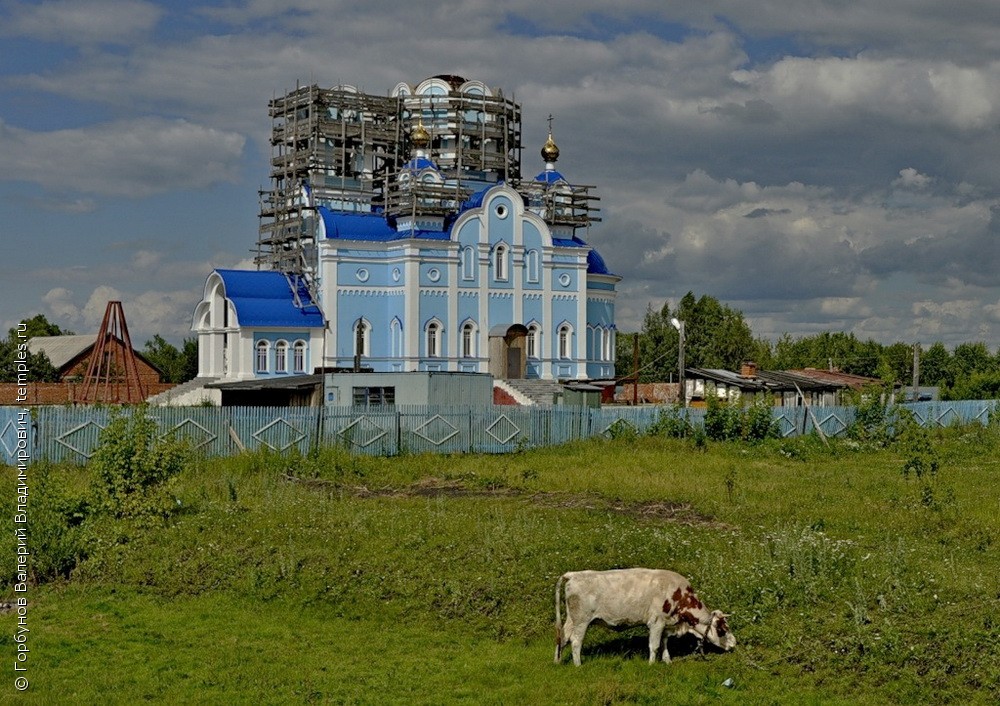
362, 335
434, 340
281, 357
299, 357
565, 341
469, 340
534, 343
396, 338
531, 265
500, 263
263, 350
608, 345
468, 263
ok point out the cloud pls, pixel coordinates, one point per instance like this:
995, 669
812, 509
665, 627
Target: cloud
147, 313
910, 178
78, 22
133, 158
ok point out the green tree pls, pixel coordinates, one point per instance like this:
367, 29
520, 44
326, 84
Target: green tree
177, 365
935, 366
13, 353
897, 363
716, 335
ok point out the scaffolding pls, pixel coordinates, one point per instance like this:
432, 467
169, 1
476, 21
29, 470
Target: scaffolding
344, 150
349, 151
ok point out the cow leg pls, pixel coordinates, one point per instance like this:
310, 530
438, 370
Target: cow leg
563, 638
576, 634
655, 638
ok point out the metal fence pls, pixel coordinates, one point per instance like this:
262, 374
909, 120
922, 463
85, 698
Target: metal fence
71, 434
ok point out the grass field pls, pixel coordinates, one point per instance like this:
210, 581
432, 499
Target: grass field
425, 579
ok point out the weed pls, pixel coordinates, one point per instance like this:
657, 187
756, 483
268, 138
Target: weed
134, 466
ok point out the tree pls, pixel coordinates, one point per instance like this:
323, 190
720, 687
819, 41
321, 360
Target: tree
176, 365
716, 335
935, 366
13, 353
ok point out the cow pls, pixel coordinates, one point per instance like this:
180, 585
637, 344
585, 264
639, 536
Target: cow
657, 598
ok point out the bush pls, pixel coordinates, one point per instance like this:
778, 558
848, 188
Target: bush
134, 466
872, 420
728, 422
671, 422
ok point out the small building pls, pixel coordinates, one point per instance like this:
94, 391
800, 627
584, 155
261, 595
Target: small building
70, 356
435, 388
292, 391
782, 388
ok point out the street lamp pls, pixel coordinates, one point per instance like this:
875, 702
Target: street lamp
679, 325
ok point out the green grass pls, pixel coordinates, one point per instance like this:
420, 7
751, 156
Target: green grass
426, 579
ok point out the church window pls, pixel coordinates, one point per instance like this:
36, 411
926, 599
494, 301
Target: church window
565, 341
532, 344
362, 335
433, 340
263, 350
396, 338
500, 263
531, 264
281, 357
468, 263
299, 357
468, 340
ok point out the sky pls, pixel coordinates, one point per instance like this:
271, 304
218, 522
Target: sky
819, 165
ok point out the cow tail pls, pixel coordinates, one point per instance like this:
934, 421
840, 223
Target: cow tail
559, 628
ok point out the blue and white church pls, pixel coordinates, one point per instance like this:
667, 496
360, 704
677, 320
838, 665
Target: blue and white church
398, 236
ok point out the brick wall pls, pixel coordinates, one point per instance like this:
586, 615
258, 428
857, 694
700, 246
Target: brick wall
649, 393
60, 392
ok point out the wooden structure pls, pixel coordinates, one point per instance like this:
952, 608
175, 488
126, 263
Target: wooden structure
113, 373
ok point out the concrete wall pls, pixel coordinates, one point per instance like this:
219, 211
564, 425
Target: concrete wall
420, 388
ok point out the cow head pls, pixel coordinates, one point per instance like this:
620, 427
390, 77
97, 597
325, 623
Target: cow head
718, 632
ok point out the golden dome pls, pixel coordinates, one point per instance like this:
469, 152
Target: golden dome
550, 152
419, 136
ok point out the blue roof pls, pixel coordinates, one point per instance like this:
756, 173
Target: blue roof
356, 226
595, 264
550, 177
418, 163
267, 299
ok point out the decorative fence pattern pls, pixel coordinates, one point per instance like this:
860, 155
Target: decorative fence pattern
71, 434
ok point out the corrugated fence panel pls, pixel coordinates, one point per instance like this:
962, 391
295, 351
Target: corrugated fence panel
17, 435
71, 433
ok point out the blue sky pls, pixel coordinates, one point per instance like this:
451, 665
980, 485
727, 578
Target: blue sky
815, 165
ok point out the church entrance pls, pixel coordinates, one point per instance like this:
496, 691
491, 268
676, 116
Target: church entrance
508, 348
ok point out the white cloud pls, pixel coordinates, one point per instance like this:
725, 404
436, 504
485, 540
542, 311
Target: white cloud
82, 21
167, 313
910, 178
134, 158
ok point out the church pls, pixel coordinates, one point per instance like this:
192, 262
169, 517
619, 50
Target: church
398, 235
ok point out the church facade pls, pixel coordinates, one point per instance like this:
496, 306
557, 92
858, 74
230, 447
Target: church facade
410, 242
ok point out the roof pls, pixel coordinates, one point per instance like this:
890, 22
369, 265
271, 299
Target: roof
61, 349
373, 227
418, 163
550, 177
835, 376
775, 380
356, 226
293, 382
595, 264
267, 298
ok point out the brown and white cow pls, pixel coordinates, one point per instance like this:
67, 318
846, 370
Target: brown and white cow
657, 598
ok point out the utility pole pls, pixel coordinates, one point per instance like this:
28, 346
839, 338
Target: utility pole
916, 371
635, 369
